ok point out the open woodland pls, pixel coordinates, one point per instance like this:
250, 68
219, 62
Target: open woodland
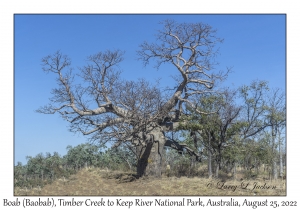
196, 137
85, 170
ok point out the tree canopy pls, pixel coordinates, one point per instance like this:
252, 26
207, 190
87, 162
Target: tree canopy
108, 108
97, 102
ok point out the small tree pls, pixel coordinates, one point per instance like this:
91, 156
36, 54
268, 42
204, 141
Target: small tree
276, 119
236, 116
254, 103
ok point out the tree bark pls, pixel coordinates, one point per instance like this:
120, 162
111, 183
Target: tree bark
218, 162
150, 156
217, 170
280, 156
274, 160
234, 171
209, 158
209, 165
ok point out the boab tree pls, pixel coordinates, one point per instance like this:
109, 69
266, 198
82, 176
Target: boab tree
135, 112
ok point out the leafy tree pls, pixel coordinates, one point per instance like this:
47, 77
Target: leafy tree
236, 118
281, 145
276, 118
216, 130
254, 103
20, 172
81, 156
36, 165
127, 156
43, 169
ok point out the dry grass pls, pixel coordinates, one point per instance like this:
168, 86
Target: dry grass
96, 182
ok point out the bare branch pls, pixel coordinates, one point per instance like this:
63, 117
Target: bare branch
189, 47
106, 108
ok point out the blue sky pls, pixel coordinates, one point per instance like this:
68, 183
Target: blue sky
254, 45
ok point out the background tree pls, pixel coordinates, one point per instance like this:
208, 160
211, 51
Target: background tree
254, 103
109, 109
276, 119
83, 155
281, 150
231, 132
202, 125
216, 130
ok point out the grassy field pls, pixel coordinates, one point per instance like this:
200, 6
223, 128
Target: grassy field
96, 182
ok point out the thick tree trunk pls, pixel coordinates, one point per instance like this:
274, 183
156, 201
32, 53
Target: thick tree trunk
150, 156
